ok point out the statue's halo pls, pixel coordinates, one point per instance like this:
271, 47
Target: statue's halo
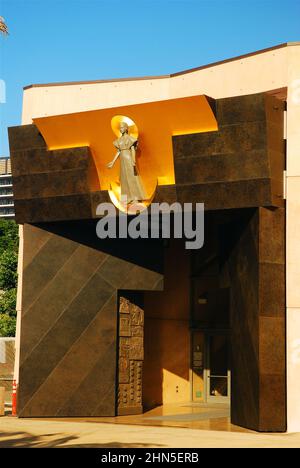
132, 127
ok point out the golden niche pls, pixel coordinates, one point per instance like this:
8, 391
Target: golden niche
128, 194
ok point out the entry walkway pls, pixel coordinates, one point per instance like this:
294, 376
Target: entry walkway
16, 432
185, 415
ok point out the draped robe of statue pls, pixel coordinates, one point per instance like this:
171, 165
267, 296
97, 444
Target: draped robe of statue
130, 181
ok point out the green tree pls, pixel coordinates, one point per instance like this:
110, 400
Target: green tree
7, 325
8, 302
8, 276
9, 237
8, 269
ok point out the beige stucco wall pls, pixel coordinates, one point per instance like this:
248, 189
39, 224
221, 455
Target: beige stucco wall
293, 238
271, 69
253, 74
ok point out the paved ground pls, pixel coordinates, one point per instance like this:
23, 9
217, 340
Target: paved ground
67, 433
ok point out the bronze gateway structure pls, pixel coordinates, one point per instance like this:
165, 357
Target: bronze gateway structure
116, 326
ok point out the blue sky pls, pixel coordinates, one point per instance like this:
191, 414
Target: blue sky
69, 40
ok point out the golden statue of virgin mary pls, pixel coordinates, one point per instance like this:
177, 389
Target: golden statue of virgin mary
132, 189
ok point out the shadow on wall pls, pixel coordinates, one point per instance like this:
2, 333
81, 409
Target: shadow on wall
147, 253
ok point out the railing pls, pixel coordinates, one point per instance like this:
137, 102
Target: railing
7, 359
7, 383
4, 203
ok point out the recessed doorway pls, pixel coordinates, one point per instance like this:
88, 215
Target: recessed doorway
210, 367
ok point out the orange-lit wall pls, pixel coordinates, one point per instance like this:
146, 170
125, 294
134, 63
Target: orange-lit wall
167, 336
156, 123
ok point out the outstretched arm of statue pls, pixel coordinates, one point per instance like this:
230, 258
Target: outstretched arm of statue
111, 163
